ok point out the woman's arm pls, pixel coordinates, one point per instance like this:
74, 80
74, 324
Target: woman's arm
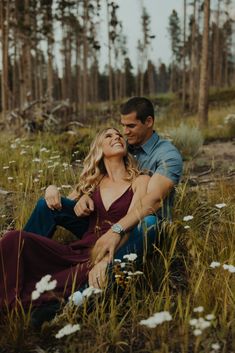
139, 187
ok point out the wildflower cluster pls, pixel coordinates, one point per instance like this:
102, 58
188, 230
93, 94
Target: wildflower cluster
229, 268
156, 319
201, 323
123, 270
44, 285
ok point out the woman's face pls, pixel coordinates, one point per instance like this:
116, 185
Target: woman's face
113, 144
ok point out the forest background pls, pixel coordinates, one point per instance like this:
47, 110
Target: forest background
56, 92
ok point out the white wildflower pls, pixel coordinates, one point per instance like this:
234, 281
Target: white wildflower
44, 149
186, 227
197, 332
215, 346
210, 317
10, 178
198, 309
3, 215
123, 264
36, 180
23, 152
11, 162
117, 260
35, 295
91, 290
45, 284
66, 186
136, 273
156, 319
203, 324
220, 205
55, 157
77, 298
193, 322
214, 264
36, 160
13, 146
130, 257
5, 167
230, 268
187, 218
67, 330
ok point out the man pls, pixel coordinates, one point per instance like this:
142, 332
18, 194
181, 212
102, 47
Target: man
158, 156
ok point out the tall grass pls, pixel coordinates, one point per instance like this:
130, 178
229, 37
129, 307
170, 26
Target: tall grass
177, 279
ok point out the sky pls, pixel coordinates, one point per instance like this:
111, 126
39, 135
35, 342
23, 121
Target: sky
130, 14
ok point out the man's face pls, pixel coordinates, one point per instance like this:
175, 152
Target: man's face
136, 132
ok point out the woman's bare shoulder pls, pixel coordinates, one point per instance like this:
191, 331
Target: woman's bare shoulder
141, 180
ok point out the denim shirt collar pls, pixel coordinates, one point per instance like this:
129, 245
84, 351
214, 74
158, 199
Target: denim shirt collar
148, 145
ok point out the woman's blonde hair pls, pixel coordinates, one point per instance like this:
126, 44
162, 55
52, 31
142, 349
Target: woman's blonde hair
94, 168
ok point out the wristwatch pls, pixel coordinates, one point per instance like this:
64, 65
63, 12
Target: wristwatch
117, 228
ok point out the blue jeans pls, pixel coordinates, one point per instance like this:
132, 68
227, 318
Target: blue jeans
43, 220
141, 239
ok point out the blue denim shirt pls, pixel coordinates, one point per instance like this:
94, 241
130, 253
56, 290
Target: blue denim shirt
159, 156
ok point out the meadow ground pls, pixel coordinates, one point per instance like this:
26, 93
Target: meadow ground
189, 282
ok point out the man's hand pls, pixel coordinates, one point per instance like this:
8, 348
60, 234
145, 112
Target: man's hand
53, 198
97, 275
84, 206
105, 245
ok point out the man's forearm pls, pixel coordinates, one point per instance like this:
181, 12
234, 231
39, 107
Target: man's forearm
144, 207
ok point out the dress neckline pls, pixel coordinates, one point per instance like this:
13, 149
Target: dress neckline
117, 199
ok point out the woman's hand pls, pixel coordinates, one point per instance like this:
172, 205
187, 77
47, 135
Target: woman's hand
97, 276
53, 198
84, 206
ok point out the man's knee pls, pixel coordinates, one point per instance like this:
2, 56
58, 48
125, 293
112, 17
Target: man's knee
147, 224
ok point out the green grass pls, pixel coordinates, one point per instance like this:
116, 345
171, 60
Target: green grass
177, 279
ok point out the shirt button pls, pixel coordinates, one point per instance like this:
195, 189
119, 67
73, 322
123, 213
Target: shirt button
135, 155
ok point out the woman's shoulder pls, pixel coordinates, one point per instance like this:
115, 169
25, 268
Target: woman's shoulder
141, 180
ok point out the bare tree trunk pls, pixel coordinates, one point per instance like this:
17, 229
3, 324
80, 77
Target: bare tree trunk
26, 57
217, 76
184, 59
110, 63
193, 83
85, 57
203, 87
4, 25
150, 78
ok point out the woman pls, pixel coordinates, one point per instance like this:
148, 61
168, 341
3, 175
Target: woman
115, 185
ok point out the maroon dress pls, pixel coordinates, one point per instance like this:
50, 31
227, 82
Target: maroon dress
26, 257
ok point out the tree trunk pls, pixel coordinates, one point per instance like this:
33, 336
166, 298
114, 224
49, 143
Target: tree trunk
4, 25
110, 63
184, 60
85, 57
203, 86
193, 82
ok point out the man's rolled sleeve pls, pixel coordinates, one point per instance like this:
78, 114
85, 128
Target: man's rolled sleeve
170, 165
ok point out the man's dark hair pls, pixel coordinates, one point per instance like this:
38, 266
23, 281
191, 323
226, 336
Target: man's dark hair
141, 105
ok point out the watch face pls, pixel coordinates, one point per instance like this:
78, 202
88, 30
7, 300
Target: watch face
117, 228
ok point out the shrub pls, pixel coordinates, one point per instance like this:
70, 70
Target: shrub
187, 139
229, 120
